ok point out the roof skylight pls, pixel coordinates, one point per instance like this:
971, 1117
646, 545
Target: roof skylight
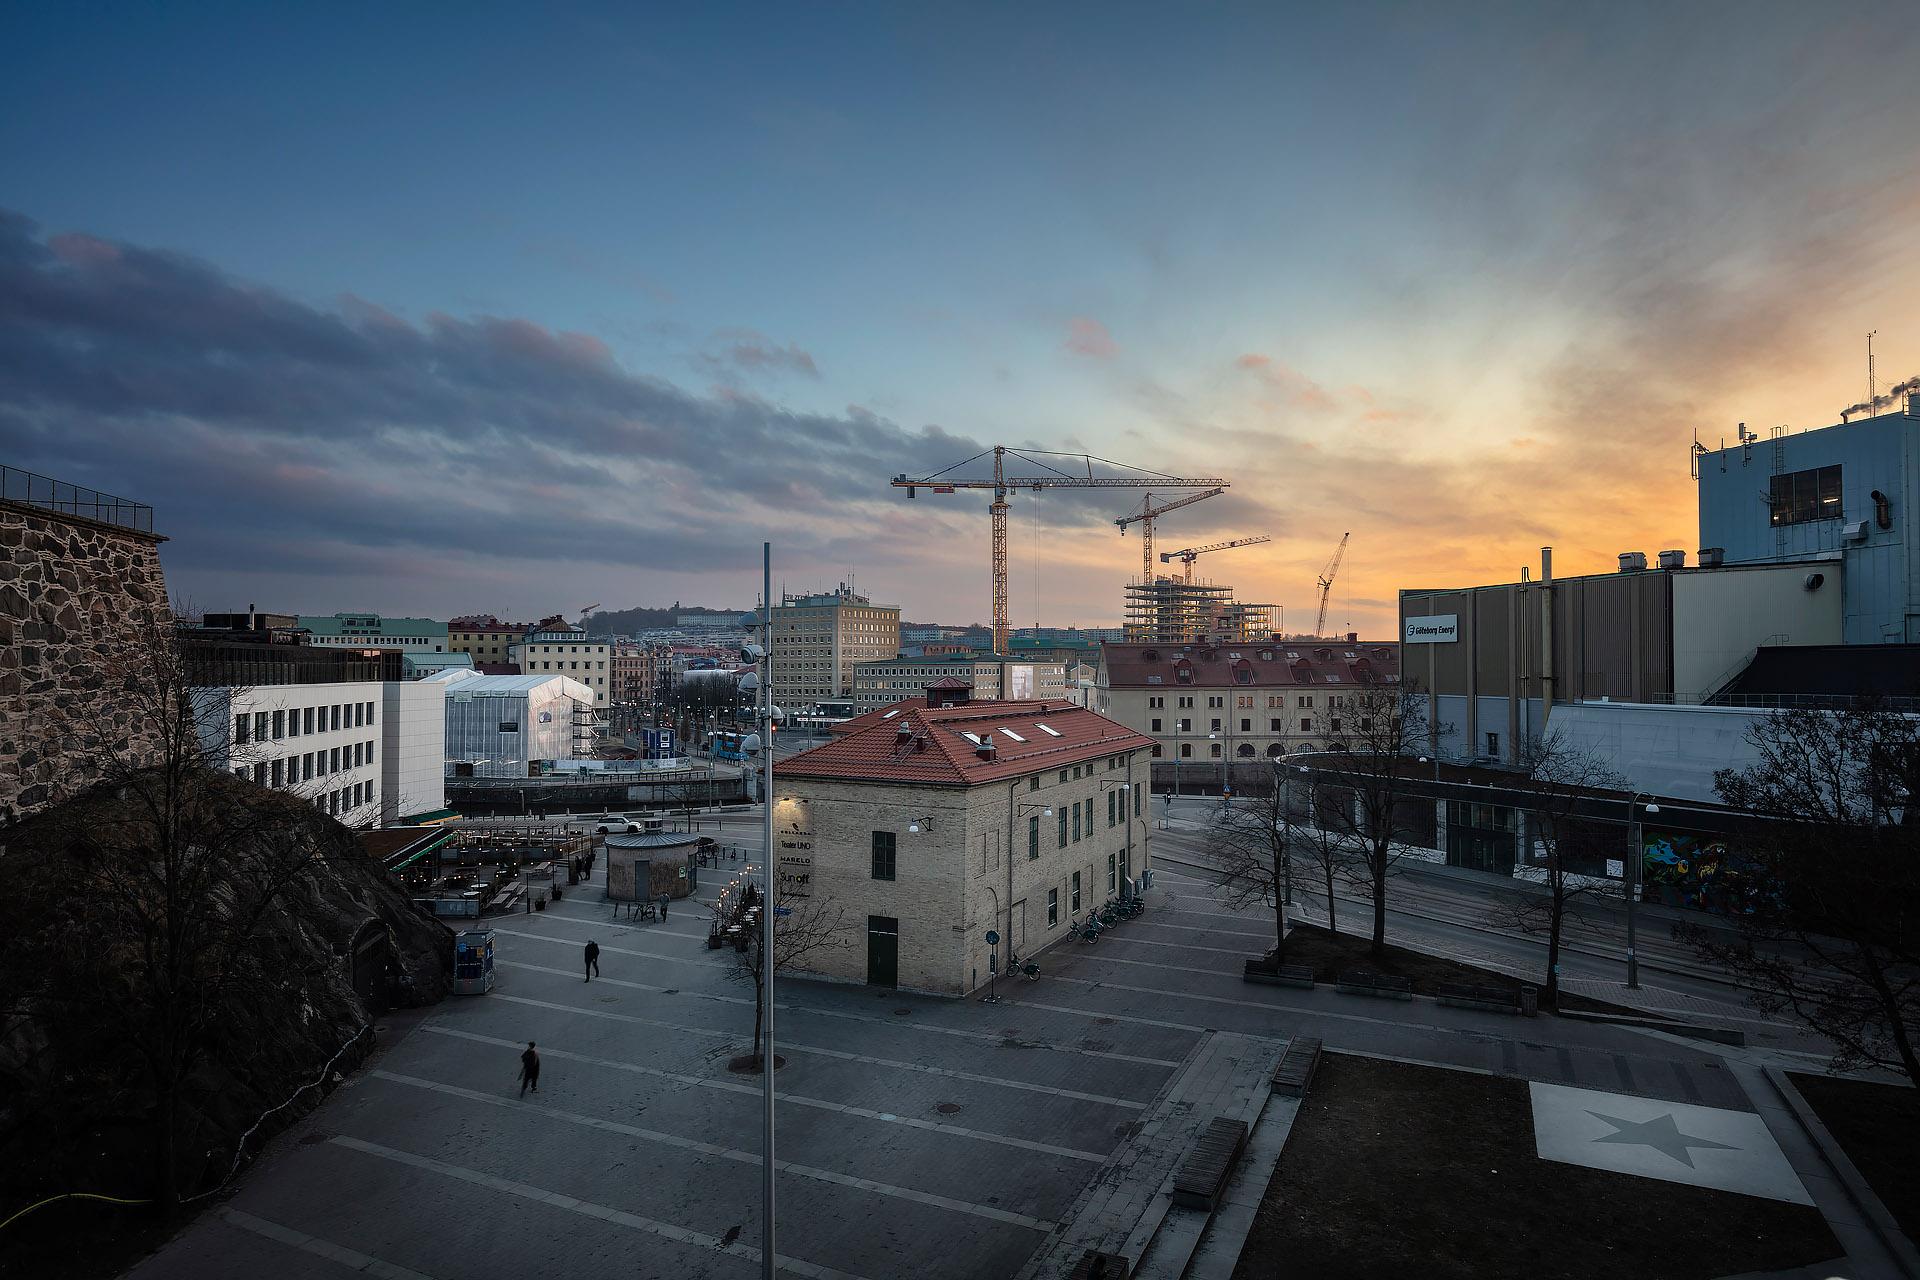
1047, 729
1011, 734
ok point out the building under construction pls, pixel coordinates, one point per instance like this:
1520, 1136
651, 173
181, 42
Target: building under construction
1172, 611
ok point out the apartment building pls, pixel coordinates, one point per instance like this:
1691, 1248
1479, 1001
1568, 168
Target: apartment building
485, 637
818, 640
555, 647
928, 824
880, 684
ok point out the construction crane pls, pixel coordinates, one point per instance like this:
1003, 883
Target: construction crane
1145, 517
586, 613
1002, 484
1326, 584
1186, 556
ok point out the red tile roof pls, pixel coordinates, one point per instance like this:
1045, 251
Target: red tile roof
1282, 663
912, 742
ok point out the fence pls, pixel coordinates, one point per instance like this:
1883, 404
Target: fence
48, 494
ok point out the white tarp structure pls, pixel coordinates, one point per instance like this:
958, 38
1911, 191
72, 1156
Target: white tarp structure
500, 726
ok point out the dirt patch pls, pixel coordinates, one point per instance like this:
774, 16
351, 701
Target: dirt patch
1331, 954
1394, 1169
1878, 1126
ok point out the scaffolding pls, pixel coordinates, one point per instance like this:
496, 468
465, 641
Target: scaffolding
1169, 611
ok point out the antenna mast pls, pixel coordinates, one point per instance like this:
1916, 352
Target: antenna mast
1873, 389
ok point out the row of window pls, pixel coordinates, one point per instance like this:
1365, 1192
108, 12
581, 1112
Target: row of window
291, 771
266, 726
1245, 701
1274, 725
1053, 895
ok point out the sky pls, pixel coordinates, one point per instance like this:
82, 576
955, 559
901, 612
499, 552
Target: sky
434, 309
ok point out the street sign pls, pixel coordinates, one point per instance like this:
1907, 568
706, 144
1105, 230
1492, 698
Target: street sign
993, 937
783, 911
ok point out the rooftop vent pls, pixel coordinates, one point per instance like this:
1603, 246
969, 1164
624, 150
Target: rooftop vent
1632, 561
1712, 557
986, 750
1673, 559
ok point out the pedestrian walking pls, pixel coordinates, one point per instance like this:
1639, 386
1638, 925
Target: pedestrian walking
529, 1070
663, 908
593, 960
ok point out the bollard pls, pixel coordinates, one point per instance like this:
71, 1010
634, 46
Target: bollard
1529, 1001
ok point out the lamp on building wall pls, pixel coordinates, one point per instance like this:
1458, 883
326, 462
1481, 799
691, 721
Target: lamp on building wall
920, 824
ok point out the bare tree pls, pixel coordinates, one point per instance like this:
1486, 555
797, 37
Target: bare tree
1371, 756
1828, 924
1561, 782
808, 928
169, 865
1250, 844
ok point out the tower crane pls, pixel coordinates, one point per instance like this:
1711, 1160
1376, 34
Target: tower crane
1002, 484
586, 613
1188, 555
1326, 584
1148, 513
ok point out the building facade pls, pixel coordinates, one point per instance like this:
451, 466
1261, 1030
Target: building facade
925, 827
322, 741
880, 684
555, 648
1841, 493
515, 726
1209, 704
1495, 661
818, 640
484, 636
413, 751
371, 631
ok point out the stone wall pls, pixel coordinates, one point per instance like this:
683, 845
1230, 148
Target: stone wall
75, 595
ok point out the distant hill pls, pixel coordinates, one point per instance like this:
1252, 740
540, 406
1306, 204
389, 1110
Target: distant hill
628, 621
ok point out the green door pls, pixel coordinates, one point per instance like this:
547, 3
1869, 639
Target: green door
883, 951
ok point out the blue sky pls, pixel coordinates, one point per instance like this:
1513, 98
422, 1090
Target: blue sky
1463, 283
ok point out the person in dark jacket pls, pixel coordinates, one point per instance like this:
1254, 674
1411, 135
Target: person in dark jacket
663, 906
529, 1070
593, 960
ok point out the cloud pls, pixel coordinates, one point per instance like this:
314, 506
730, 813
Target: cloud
750, 352
1283, 386
1088, 337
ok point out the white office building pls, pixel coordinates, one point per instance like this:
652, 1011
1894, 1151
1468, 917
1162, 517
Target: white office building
413, 751
320, 741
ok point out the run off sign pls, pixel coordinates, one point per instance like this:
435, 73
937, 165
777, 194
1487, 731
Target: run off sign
1435, 628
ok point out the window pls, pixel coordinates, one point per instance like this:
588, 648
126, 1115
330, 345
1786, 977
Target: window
1053, 907
240, 730
1033, 838
1186, 726
1063, 775
1110, 873
1076, 892
1798, 497
1076, 822
1186, 702
1156, 724
1304, 700
1033, 783
1155, 754
1216, 702
1273, 725
1333, 727
1214, 751
335, 718
883, 855
293, 723
1246, 725
334, 756
278, 778
1061, 814
259, 726
1215, 724
1306, 724
1186, 751
1138, 790
1112, 808
1156, 702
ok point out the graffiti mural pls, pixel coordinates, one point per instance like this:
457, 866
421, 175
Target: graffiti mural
1691, 871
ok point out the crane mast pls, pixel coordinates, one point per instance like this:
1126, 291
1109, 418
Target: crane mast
1326, 584
1002, 484
1148, 513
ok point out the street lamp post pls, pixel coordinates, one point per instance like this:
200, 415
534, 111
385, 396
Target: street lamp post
1634, 809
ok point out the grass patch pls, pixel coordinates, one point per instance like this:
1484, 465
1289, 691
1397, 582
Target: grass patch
1394, 1169
1877, 1125
1331, 954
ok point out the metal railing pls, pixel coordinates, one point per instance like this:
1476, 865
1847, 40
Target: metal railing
34, 490
1782, 701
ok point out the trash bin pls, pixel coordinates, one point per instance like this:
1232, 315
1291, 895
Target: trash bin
1529, 1001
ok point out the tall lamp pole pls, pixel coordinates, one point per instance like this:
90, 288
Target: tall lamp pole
1634, 857
768, 904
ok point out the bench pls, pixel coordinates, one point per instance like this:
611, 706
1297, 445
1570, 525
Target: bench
1279, 975
1462, 995
1202, 1176
1384, 985
1294, 1075
1095, 1265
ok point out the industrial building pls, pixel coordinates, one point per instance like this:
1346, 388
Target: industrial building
880, 684
818, 639
928, 824
515, 726
1496, 662
1842, 494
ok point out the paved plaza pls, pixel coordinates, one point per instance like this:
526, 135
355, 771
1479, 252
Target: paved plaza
918, 1136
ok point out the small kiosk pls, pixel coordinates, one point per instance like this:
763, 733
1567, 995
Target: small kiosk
473, 962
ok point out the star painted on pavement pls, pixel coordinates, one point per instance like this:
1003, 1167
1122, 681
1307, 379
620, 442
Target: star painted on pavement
1660, 1133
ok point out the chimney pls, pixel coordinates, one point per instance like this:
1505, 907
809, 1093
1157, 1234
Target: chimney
1546, 564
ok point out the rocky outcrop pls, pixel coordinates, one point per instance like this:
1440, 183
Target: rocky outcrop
75, 595
79, 1004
